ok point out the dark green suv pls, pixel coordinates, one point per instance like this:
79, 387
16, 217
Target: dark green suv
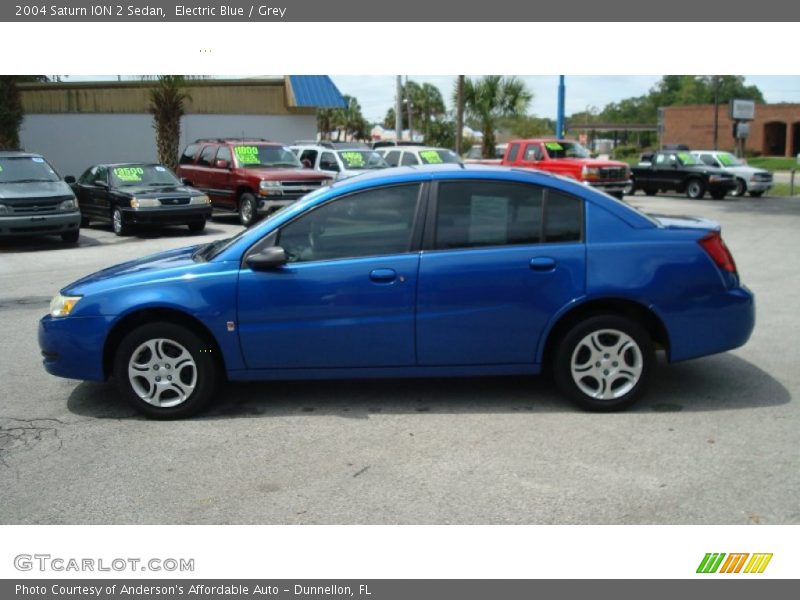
34, 199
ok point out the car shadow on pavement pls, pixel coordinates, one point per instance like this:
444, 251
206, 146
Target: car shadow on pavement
722, 382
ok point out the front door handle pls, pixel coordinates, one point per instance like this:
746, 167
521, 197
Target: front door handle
543, 263
383, 275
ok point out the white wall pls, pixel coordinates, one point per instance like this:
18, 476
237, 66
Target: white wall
72, 142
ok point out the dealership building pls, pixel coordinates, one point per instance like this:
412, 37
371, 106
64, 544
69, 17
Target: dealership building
78, 124
774, 130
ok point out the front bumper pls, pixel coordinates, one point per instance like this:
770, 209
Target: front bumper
72, 347
269, 204
54, 223
610, 187
178, 215
759, 186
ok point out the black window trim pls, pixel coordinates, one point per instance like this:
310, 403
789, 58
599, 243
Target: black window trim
417, 231
429, 239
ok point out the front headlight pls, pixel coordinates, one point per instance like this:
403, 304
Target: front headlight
61, 306
4, 210
204, 200
590, 172
144, 202
68, 204
270, 188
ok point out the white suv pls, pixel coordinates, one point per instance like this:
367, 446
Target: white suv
403, 156
748, 179
341, 162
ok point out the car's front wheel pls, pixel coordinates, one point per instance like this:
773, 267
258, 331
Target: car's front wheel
695, 189
71, 237
118, 223
197, 226
603, 362
247, 209
741, 188
166, 371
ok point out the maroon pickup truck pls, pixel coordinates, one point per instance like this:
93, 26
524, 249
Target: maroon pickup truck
569, 159
253, 177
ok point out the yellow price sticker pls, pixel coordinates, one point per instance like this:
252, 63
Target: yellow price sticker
247, 155
553, 146
353, 159
430, 157
129, 173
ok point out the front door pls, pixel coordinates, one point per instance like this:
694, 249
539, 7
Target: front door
346, 296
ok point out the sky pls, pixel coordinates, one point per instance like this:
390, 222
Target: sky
375, 93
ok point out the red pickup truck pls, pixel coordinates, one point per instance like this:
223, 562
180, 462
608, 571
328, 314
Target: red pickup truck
569, 159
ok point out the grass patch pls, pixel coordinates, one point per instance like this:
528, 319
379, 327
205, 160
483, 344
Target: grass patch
774, 163
782, 190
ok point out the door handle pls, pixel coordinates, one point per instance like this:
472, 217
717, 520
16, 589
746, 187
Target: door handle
383, 275
543, 263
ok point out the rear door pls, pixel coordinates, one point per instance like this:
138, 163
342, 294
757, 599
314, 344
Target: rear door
501, 258
220, 180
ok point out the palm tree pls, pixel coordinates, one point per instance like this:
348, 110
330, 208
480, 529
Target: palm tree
11, 110
167, 105
428, 105
488, 99
325, 118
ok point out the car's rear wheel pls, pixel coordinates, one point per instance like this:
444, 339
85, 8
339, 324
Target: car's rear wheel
757, 194
166, 371
741, 188
603, 363
695, 189
247, 209
718, 195
197, 226
650, 191
71, 237
118, 223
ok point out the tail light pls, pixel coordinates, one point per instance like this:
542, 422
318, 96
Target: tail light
718, 251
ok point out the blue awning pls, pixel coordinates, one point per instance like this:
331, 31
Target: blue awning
313, 91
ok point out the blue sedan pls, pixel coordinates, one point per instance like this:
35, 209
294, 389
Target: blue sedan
411, 272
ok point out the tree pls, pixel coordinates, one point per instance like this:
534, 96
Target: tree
325, 118
11, 111
168, 105
488, 99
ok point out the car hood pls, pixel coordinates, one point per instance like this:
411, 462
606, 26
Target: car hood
680, 222
745, 170
147, 191
290, 174
589, 162
34, 189
171, 263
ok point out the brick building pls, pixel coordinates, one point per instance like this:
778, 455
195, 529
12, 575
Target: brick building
775, 131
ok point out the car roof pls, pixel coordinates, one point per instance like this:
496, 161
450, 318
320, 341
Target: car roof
130, 164
416, 149
18, 154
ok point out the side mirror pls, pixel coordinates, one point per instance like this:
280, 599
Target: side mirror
269, 258
70, 179
221, 164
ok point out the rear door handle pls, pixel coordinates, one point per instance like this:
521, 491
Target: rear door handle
383, 275
543, 263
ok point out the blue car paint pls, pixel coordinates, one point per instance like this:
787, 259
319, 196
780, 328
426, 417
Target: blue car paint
320, 320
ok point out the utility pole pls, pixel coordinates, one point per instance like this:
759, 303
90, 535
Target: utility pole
560, 113
410, 109
460, 115
715, 81
398, 110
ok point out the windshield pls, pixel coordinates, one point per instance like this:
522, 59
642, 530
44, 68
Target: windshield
140, 175
564, 149
729, 160
438, 157
362, 159
688, 160
26, 169
254, 156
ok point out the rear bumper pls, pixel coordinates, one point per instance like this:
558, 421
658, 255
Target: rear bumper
167, 216
40, 224
721, 323
72, 347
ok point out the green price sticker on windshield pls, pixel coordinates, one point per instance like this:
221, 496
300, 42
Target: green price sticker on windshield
247, 155
129, 173
431, 157
353, 159
685, 157
553, 146
726, 159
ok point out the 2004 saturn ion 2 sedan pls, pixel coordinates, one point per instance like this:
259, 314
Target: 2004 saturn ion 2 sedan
424, 271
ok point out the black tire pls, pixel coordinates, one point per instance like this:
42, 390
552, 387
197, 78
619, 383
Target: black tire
247, 209
85, 221
650, 191
71, 237
197, 226
718, 195
757, 194
196, 379
118, 224
741, 188
622, 384
695, 189
618, 195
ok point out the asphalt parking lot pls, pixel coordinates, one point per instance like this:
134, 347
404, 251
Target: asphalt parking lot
715, 441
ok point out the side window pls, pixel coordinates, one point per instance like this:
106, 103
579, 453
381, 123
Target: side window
563, 218
224, 153
661, 159
472, 214
392, 158
533, 152
88, 176
709, 160
409, 158
206, 156
327, 162
513, 152
308, 158
101, 174
371, 223
188, 155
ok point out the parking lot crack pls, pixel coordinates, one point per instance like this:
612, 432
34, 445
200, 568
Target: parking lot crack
22, 440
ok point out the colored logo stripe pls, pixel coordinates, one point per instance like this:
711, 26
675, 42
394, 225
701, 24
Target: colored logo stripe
758, 563
733, 564
710, 563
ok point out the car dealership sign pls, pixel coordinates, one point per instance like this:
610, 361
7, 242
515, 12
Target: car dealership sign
742, 110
